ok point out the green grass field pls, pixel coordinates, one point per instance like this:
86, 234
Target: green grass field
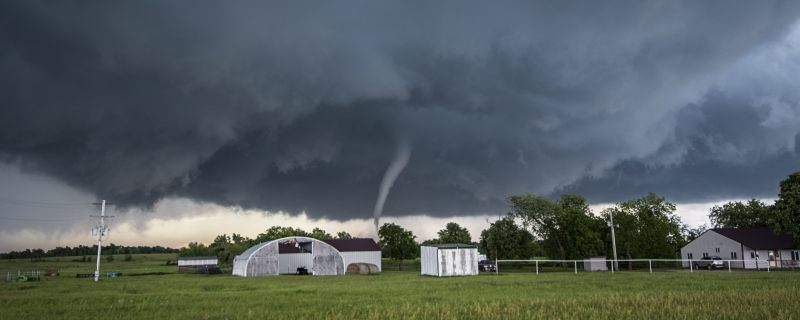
396, 295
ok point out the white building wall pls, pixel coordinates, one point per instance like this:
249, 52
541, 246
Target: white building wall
373, 257
429, 261
786, 259
204, 262
708, 243
289, 262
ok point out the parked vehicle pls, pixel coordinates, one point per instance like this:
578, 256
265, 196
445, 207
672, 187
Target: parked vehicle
711, 263
486, 265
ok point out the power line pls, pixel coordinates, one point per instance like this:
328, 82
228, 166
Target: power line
41, 204
102, 230
40, 219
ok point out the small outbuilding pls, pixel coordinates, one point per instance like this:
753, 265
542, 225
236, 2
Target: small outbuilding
206, 265
595, 264
452, 259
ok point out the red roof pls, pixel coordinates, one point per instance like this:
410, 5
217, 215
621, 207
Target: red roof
357, 244
343, 245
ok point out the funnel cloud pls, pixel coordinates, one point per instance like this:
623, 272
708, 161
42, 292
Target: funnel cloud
396, 167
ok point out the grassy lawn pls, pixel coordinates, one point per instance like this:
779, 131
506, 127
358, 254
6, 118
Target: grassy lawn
401, 295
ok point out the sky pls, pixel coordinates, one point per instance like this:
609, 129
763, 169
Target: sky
204, 118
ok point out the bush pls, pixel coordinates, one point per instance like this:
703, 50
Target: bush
128, 257
110, 258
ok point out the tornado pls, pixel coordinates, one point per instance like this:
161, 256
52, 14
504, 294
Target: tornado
399, 162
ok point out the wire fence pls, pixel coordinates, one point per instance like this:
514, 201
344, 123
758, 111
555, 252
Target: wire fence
642, 265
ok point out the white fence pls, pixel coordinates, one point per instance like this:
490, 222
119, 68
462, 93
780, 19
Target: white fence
649, 265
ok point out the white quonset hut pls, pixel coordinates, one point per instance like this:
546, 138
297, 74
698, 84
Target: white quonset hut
318, 257
757, 247
265, 259
444, 260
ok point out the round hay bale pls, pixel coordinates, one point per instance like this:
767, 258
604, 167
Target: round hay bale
373, 269
353, 268
362, 268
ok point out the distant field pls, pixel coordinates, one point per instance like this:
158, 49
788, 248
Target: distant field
396, 295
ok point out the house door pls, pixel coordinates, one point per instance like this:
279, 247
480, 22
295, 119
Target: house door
774, 255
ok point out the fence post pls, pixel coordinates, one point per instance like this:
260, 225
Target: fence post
496, 267
767, 266
691, 269
612, 266
650, 263
729, 266
537, 266
576, 266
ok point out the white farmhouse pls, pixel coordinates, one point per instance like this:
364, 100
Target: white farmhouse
755, 248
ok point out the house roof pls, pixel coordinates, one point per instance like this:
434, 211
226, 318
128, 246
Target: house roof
356, 244
343, 245
758, 238
449, 245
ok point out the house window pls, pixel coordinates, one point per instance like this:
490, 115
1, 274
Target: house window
795, 255
705, 254
733, 255
689, 256
752, 255
717, 250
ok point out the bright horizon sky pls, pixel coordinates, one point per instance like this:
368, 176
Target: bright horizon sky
176, 222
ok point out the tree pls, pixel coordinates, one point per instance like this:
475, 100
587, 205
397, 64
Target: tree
454, 233
787, 207
689, 233
504, 239
646, 228
752, 214
320, 234
277, 232
343, 235
576, 228
397, 243
194, 249
567, 227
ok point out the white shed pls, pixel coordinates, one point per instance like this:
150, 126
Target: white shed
197, 261
444, 260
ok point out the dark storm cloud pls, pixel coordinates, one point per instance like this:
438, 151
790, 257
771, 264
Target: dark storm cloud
300, 106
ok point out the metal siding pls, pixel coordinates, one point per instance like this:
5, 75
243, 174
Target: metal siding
458, 262
429, 261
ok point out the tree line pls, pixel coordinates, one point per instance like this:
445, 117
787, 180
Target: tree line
82, 250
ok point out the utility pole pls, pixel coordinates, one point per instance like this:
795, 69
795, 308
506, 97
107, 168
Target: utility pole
101, 230
613, 241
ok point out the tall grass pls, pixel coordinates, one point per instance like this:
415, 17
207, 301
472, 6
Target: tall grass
407, 295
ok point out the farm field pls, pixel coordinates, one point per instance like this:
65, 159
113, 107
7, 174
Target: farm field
397, 295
